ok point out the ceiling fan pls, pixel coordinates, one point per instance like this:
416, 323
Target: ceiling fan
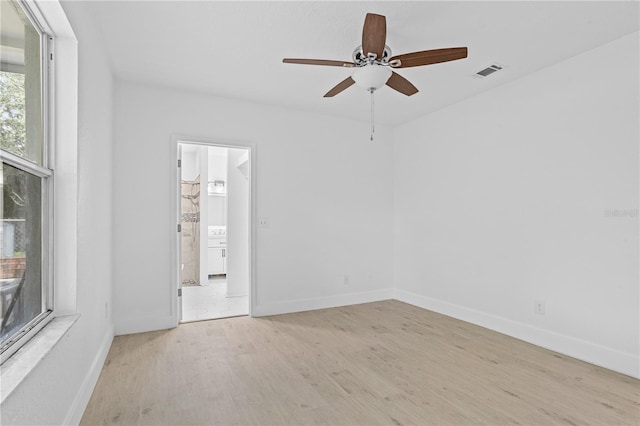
373, 62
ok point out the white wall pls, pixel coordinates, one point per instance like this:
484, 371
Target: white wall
190, 162
217, 163
324, 186
501, 200
203, 155
217, 171
57, 390
237, 225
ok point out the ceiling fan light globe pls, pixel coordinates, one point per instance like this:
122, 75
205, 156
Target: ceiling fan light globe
371, 77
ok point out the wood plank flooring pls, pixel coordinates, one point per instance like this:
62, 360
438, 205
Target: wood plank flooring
383, 363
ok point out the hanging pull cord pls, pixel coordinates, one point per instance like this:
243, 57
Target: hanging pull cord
373, 129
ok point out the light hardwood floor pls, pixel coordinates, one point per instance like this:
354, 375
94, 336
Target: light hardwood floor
372, 364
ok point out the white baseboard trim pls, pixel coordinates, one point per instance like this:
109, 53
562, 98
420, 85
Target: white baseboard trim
235, 294
74, 415
593, 353
300, 305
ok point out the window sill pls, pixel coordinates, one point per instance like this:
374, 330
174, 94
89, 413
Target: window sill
23, 362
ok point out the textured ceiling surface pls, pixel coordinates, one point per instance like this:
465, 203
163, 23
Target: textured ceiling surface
235, 49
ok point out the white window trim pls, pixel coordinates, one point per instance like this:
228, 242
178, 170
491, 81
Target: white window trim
62, 127
45, 172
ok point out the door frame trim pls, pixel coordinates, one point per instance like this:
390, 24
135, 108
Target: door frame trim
176, 139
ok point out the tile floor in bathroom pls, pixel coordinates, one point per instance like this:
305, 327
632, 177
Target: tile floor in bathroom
202, 302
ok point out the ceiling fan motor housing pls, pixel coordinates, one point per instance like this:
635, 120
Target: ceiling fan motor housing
361, 59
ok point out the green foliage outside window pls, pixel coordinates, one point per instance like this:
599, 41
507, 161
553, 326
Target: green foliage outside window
12, 113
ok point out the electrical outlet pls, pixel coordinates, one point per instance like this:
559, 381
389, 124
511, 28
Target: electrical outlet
263, 222
538, 307
347, 279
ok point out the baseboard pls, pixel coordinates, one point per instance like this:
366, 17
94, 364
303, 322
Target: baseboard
74, 415
300, 305
235, 294
593, 353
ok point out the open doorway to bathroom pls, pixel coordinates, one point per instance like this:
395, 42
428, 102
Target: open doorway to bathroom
214, 203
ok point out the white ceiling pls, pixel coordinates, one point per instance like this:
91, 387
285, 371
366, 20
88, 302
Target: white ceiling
235, 49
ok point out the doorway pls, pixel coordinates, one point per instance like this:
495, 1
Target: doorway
214, 253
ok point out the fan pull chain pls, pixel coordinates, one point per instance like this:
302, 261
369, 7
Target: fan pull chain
373, 129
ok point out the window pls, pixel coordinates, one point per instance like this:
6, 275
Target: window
26, 296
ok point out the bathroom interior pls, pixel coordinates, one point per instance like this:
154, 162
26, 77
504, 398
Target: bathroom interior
214, 200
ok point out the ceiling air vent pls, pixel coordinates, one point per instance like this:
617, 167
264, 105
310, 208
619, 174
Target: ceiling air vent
489, 70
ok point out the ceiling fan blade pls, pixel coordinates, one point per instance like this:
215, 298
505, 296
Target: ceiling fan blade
374, 34
319, 62
428, 57
347, 82
401, 84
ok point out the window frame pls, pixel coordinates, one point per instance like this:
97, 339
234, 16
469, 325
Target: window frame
45, 172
